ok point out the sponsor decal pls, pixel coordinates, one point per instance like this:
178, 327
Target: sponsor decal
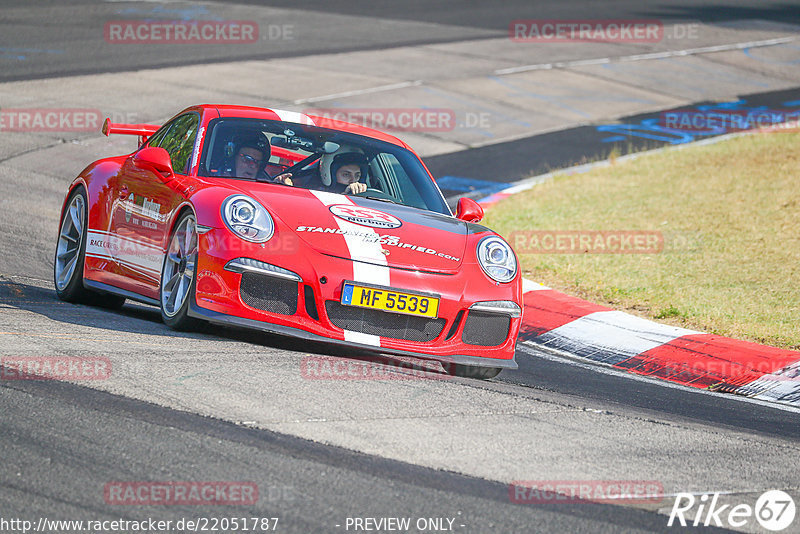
365, 216
372, 237
145, 208
138, 255
150, 209
139, 213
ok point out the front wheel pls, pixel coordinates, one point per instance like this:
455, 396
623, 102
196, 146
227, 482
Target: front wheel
178, 274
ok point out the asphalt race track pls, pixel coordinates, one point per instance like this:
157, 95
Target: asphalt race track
328, 454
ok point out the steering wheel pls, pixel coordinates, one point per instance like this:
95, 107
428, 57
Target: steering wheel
299, 165
264, 176
302, 164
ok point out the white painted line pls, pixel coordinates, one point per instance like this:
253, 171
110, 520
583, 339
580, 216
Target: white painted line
530, 285
641, 57
369, 90
563, 357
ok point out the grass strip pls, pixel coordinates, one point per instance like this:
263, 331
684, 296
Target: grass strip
727, 217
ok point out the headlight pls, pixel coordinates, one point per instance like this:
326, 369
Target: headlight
247, 218
497, 259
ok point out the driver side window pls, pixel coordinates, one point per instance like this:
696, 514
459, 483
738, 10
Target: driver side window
178, 141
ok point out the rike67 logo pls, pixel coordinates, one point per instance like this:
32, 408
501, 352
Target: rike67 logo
774, 510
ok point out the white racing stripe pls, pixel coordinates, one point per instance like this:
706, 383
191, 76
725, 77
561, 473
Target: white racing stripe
293, 116
369, 263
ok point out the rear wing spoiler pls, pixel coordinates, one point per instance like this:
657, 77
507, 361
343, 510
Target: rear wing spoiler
144, 131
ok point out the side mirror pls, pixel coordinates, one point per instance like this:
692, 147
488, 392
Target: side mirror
469, 210
155, 159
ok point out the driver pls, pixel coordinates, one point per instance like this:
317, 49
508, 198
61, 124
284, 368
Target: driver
250, 157
348, 169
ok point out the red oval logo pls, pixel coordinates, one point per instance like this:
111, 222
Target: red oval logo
365, 216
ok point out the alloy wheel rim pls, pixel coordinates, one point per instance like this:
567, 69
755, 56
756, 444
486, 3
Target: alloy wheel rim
69, 242
179, 267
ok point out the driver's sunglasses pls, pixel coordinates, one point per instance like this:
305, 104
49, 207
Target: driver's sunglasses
250, 160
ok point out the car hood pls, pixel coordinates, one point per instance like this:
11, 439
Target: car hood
368, 230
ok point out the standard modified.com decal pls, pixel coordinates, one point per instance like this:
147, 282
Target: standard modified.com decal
371, 237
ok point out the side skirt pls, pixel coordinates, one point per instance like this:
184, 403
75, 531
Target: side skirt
105, 288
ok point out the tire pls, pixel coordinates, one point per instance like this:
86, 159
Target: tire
472, 371
179, 275
70, 256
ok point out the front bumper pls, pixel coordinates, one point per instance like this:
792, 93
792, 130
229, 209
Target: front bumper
318, 278
250, 324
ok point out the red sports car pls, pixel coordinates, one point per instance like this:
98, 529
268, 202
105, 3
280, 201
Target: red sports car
292, 224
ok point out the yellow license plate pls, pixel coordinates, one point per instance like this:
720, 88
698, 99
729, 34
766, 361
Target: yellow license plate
381, 298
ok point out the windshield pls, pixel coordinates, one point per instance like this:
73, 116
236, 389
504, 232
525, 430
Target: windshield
319, 159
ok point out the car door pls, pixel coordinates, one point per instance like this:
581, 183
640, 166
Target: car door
145, 206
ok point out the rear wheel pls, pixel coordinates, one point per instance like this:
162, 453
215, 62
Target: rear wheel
71, 256
472, 371
178, 274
